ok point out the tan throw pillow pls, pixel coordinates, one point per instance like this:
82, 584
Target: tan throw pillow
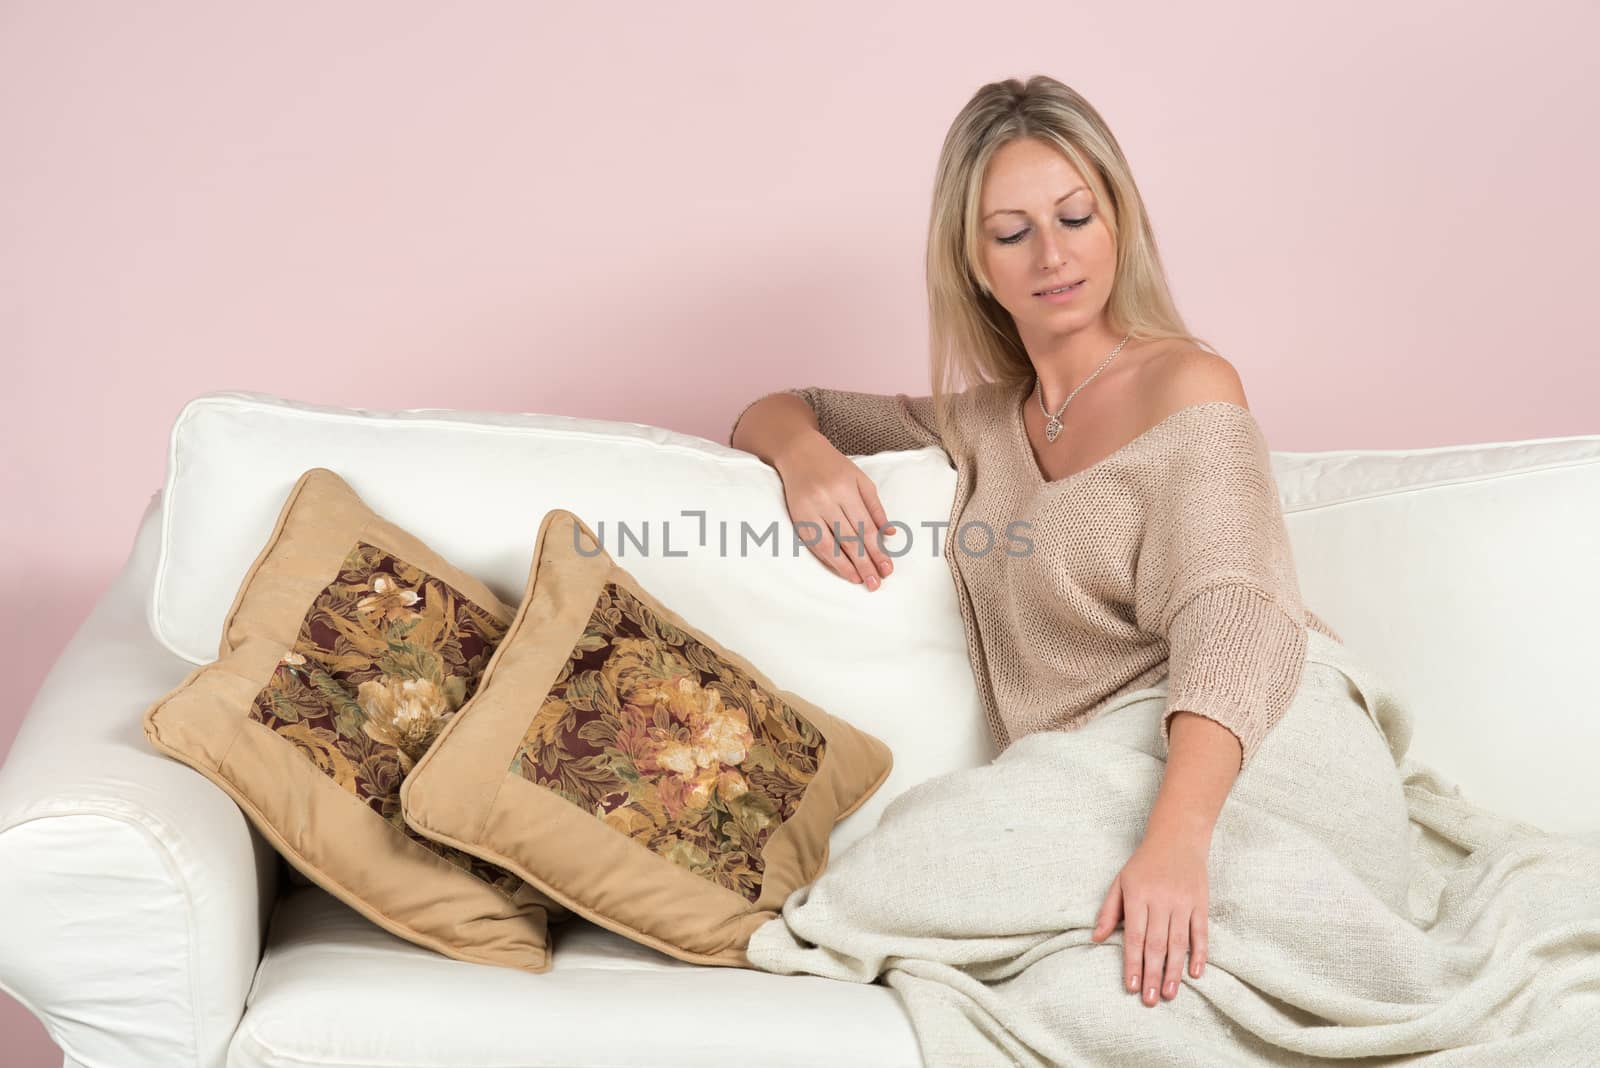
347, 648
639, 772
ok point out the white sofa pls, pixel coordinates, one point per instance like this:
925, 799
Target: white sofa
147, 924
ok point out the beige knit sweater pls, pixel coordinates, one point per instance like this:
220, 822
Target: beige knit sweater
1168, 557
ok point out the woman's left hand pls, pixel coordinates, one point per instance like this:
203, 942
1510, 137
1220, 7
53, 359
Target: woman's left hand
1161, 897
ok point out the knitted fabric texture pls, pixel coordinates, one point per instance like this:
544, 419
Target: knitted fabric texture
1168, 557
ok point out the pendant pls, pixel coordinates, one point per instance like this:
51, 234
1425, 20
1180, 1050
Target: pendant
1052, 428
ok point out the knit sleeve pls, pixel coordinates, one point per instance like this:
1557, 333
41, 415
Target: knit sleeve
1215, 578
859, 424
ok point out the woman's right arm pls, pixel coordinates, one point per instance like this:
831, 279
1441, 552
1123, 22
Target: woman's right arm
805, 434
857, 424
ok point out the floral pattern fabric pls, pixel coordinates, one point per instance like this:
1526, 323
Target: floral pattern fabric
385, 656
656, 734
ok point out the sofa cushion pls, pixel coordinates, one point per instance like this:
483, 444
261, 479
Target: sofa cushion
1465, 574
349, 644
335, 990
635, 768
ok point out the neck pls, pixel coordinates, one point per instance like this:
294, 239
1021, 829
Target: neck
1064, 363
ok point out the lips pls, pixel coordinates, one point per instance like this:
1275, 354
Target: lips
1057, 285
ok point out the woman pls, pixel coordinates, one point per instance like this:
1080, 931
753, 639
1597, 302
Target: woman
1120, 448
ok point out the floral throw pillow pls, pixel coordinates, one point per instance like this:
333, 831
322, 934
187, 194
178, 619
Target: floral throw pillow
635, 769
348, 648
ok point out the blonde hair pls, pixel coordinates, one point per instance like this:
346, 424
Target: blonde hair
973, 339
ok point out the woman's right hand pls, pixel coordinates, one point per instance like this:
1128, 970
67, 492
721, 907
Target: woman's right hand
824, 487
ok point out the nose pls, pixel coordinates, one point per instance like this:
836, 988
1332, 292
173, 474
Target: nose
1049, 252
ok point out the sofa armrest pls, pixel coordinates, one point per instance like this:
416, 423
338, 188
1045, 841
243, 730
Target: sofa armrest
135, 893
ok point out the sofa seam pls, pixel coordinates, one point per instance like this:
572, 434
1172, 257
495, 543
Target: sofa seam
158, 578
1438, 484
248, 1034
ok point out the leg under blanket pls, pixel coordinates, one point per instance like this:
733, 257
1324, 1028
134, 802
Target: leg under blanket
1362, 912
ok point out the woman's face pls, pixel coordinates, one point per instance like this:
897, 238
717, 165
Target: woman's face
1041, 227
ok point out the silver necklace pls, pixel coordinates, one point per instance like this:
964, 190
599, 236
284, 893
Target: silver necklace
1053, 427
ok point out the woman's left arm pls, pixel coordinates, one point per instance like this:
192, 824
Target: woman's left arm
1162, 893
1215, 580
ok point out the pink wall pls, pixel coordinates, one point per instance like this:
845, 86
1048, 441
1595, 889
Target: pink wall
1384, 214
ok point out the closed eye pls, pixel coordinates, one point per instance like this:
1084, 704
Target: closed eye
1020, 234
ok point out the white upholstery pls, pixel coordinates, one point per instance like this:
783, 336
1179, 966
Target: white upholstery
1467, 574
134, 892
336, 989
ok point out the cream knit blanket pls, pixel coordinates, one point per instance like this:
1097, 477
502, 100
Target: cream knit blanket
1360, 906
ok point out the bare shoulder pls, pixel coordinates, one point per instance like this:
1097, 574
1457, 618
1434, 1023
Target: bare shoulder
1185, 375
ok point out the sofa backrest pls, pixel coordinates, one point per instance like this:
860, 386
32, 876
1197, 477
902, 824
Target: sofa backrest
475, 488
1468, 576
1465, 573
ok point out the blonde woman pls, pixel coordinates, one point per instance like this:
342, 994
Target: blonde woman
1070, 396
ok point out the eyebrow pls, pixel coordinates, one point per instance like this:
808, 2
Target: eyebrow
1019, 211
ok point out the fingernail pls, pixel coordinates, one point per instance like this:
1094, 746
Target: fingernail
872, 582
1172, 989
1133, 982
886, 567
